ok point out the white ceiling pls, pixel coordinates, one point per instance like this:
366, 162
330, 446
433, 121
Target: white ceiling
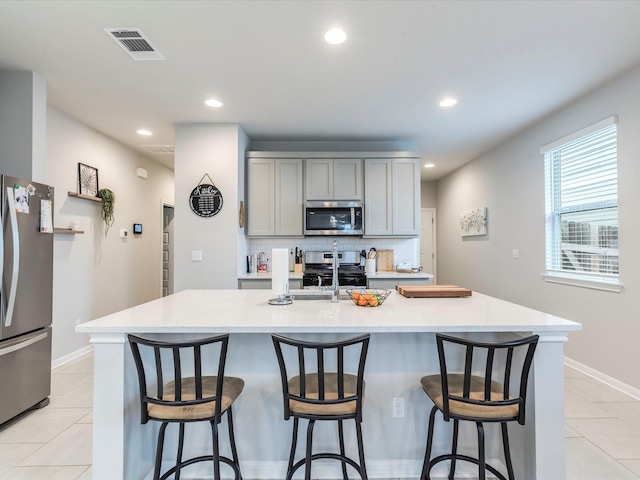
510, 63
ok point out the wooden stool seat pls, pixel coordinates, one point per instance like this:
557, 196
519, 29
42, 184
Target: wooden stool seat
231, 390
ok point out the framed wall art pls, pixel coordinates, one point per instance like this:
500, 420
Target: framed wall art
473, 222
87, 180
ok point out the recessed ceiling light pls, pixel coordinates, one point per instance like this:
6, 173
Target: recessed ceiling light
144, 132
448, 102
335, 36
429, 165
212, 102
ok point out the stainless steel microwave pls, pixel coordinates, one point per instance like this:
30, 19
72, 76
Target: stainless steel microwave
333, 218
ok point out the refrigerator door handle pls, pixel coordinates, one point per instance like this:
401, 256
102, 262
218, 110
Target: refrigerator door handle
2, 217
23, 344
13, 218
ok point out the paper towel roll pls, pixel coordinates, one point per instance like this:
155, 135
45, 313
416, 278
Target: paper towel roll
279, 270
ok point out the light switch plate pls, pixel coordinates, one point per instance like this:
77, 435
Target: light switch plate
196, 256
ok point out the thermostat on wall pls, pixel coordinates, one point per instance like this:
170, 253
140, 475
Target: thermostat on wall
137, 228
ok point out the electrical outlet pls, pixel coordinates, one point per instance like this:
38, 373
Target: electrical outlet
397, 408
196, 256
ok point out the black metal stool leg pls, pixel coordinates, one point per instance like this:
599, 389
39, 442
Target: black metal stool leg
481, 461
507, 451
180, 448
342, 450
307, 466
232, 442
363, 467
427, 453
292, 454
454, 449
216, 450
156, 471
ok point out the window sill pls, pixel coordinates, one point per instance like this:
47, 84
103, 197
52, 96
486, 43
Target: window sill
584, 282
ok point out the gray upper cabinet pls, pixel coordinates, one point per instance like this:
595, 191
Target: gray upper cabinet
261, 211
274, 197
279, 182
377, 197
392, 197
333, 179
288, 197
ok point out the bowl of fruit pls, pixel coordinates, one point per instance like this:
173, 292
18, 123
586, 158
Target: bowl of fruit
368, 298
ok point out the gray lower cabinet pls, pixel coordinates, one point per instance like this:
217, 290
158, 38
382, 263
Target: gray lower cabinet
265, 284
390, 283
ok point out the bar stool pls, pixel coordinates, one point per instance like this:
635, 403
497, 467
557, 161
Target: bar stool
478, 397
173, 389
321, 389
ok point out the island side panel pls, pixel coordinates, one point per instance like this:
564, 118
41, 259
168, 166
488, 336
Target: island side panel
548, 414
108, 408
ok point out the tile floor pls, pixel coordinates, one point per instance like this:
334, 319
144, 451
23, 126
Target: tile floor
602, 431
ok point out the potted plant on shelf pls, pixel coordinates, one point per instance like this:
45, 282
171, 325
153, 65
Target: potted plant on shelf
108, 206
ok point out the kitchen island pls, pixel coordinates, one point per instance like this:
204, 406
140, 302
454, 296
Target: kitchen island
402, 349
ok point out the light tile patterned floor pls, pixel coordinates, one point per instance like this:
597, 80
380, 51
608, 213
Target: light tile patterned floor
602, 431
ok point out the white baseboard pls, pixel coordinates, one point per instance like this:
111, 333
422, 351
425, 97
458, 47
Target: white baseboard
606, 379
58, 362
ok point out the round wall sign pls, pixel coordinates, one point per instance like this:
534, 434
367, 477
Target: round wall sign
205, 200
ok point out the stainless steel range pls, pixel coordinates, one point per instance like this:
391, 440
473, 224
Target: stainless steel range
318, 270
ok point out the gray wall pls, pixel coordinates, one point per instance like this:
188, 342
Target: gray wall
429, 194
509, 181
218, 150
94, 275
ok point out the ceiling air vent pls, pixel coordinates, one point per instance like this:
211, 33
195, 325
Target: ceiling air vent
135, 43
159, 149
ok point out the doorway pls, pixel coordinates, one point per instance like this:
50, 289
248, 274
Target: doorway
167, 249
428, 241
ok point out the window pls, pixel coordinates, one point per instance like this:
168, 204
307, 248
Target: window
581, 187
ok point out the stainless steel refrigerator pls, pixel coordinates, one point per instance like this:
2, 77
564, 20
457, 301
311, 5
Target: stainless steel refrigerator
26, 275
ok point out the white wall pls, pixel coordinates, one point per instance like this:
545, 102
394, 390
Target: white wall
93, 275
217, 150
510, 182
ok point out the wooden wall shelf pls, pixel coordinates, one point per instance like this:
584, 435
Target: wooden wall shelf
86, 197
67, 231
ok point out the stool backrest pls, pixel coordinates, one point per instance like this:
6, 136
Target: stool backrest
493, 363
313, 363
171, 373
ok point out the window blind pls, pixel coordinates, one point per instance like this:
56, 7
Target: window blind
581, 178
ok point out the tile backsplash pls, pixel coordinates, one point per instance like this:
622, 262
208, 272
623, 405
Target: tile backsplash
405, 250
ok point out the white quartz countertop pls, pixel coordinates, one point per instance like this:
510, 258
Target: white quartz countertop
398, 275
248, 311
264, 276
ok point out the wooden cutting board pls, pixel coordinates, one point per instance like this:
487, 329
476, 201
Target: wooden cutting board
385, 261
432, 291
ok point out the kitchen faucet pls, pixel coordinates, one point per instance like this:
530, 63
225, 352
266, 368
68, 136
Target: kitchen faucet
335, 295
